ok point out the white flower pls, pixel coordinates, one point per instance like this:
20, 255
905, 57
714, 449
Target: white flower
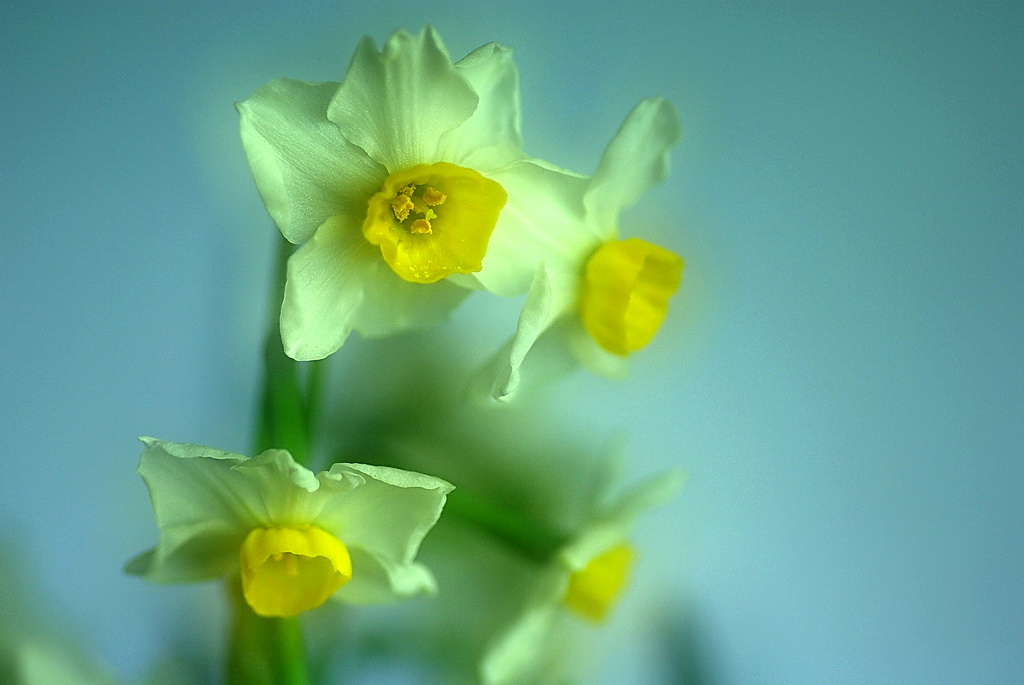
295, 538
390, 182
593, 296
586, 576
45, 662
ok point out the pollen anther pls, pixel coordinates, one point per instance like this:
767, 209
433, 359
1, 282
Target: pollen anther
405, 202
433, 198
421, 226
402, 205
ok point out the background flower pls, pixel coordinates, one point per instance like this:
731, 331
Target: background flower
526, 650
536, 502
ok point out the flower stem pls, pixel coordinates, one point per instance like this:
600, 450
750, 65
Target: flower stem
314, 391
286, 411
283, 422
529, 537
264, 651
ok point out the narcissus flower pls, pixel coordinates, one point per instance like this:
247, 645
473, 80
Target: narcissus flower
391, 182
585, 578
45, 662
293, 537
593, 295
34, 649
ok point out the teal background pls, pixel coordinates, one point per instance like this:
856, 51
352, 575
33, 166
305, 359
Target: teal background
840, 375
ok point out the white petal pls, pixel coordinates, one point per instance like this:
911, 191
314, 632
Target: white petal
189, 554
397, 104
492, 135
542, 223
338, 282
526, 646
635, 159
609, 469
611, 526
203, 508
392, 305
387, 513
304, 169
592, 356
285, 489
324, 288
39, 662
187, 451
551, 296
379, 581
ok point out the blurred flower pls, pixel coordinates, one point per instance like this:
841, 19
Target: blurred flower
586, 576
595, 297
46, 662
391, 182
37, 647
533, 539
296, 538
52, 659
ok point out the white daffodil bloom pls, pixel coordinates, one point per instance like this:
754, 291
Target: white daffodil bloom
594, 297
41, 650
586, 577
391, 182
42, 662
295, 538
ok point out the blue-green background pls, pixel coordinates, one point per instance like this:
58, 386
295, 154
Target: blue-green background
840, 376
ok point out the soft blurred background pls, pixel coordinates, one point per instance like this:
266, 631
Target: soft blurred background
840, 376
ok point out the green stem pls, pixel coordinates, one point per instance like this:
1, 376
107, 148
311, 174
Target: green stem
283, 422
264, 651
286, 412
314, 391
529, 537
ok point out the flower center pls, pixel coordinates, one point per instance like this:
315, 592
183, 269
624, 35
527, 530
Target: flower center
433, 220
288, 570
625, 293
594, 589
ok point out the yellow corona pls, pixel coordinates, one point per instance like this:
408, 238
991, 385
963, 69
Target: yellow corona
593, 590
625, 293
288, 570
433, 220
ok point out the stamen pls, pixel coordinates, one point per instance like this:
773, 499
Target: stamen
433, 197
402, 205
405, 203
